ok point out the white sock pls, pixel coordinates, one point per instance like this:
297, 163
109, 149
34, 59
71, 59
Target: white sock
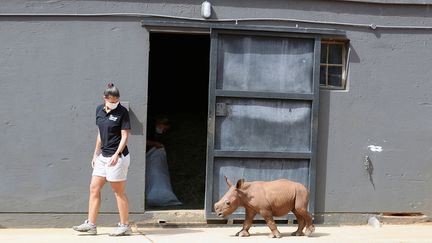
90, 223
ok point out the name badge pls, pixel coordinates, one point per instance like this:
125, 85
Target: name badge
112, 118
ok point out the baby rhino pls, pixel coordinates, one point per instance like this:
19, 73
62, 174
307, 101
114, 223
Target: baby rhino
272, 198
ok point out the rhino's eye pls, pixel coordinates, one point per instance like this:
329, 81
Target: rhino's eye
227, 203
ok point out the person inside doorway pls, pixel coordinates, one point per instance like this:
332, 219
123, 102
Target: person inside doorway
158, 183
157, 130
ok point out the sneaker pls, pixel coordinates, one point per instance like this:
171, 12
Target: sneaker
122, 229
86, 227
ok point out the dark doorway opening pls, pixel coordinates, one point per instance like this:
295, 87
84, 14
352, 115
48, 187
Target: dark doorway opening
178, 90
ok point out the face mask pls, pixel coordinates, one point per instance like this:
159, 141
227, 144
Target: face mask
112, 106
159, 130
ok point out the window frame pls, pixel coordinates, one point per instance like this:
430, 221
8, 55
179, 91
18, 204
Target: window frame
345, 50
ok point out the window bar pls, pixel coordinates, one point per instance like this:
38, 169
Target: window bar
327, 63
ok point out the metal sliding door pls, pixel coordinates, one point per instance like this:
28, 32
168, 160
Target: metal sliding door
263, 107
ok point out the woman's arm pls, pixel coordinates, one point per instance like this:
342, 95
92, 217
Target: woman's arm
98, 146
97, 150
123, 141
122, 145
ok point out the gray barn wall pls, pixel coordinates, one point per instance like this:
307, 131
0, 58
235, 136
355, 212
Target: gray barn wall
53, 70
53, 73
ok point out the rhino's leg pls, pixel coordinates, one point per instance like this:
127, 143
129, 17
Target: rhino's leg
247, 223
301, 224
310, 228
268, 217
301, 204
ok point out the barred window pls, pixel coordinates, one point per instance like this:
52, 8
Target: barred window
333, 64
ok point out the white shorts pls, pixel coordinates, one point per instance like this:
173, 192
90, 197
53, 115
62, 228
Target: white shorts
118, 172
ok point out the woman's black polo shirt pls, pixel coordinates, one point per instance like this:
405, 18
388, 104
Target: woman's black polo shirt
110, 126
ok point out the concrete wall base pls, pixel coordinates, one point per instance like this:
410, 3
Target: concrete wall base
62, 220
362, 218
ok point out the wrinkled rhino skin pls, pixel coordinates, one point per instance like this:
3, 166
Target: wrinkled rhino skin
270, 199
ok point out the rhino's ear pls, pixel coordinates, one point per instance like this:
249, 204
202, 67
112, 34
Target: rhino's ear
240, 183
228, 181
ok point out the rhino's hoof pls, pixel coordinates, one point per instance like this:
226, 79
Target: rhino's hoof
278, 235
296, 233
242, 233
310, 230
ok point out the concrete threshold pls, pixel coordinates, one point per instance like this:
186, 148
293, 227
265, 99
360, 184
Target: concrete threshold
165, 217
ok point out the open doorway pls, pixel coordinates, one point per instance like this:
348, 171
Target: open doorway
178, 91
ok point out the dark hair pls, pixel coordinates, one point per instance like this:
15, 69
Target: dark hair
111, 90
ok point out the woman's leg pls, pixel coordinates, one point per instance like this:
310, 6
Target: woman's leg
96, 186
122, 201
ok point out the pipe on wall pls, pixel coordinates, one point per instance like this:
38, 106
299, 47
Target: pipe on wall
141, 15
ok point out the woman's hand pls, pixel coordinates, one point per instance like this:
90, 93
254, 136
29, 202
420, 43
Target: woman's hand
93, 161
113, 161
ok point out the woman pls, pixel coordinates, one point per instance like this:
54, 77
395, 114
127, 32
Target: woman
110, 161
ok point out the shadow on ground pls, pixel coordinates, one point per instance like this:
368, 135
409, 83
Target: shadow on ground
288, 235
169, 231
